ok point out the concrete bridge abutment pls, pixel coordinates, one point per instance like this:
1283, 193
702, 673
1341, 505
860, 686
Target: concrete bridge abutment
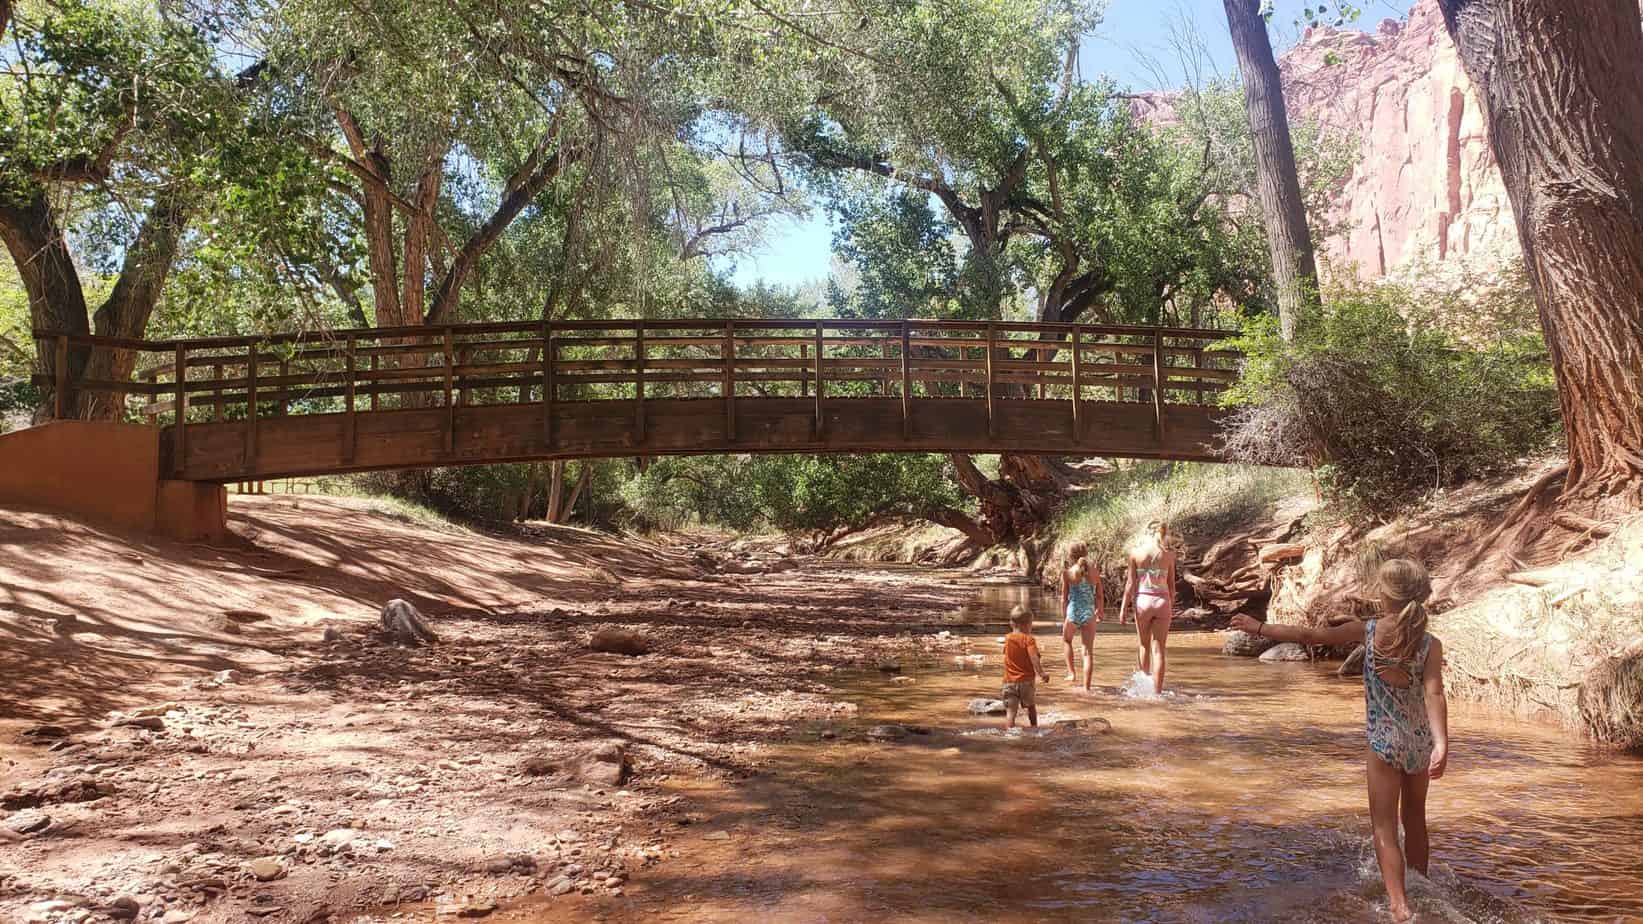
108, 473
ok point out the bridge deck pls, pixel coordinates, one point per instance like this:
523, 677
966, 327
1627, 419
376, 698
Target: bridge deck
474, 394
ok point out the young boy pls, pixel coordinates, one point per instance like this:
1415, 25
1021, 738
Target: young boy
1020, 664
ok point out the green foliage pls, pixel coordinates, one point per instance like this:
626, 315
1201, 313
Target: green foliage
1383, 393
787, 492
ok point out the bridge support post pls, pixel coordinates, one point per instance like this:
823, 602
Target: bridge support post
59, 395
1078, 381
906, 379
351, 432
639, 381
992, 334
727, 353
548, 359
179, 445
251, 448
821, 384
450, 403
1158, 386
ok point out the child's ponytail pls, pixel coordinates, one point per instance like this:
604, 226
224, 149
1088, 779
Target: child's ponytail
1398, 637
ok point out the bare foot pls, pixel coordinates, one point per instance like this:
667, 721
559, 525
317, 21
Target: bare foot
1071, 676
1402, 915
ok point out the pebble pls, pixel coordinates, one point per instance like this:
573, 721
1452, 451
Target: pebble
267, 869
177, 916
887, 732
718, 836
561, 886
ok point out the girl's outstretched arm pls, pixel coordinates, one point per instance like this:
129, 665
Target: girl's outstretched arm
1437, 709
1344, 634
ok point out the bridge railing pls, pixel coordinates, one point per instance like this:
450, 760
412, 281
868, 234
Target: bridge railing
378, 369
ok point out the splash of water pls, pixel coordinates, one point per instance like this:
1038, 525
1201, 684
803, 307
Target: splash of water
1139, 686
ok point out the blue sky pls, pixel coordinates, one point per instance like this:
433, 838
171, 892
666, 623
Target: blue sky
1133, 33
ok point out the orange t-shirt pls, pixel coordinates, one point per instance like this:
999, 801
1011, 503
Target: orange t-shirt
1019, 648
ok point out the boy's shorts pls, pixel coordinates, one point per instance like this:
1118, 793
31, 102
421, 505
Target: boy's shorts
1020, 693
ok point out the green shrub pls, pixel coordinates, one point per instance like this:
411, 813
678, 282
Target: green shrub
1390, 395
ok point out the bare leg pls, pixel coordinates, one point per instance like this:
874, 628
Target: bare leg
1009, 714
1143, 632
1385, 787
1032, 715
1160, 642
1417, 846
1067, 628
1087, 636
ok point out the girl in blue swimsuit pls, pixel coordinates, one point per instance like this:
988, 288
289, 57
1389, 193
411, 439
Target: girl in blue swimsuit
1406, 714
1082, 606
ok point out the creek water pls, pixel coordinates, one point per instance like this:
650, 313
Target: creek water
1237, 796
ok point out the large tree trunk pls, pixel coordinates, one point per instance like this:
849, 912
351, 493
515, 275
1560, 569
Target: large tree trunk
1564, 94
52, 283
1294, 270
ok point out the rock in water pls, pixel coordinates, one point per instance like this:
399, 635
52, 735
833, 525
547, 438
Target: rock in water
602, 764
887, 733
1353, 665
1244, 645
402, 623
1287, 651
620, 641
987, 707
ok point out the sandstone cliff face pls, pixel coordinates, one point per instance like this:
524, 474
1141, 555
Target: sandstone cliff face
1426, 192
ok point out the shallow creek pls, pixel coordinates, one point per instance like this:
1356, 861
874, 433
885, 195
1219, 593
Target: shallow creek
1237, 796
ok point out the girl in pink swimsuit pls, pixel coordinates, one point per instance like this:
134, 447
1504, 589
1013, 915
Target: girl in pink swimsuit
1150, 581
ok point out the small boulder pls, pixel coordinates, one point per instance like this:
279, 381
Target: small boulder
46, 732
402, 624
620, 641
987, 707
150, 722
602, 764
887, 732
477, 908
561, 886
331, 635
1244, 644
267, 869
1287, 651
28, 822
124, 908
889, 666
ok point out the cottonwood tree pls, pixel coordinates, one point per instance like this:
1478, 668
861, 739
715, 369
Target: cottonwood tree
1283, 209
1564, 96
116, 125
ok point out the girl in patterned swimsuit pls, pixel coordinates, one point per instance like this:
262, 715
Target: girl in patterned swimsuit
1082, 607
1407, 715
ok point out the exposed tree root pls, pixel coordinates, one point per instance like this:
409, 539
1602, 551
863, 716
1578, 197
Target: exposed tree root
1515, 516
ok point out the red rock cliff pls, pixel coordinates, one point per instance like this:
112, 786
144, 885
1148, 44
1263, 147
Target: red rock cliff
1426, 190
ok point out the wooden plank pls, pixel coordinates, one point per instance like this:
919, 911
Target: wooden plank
179, 446
373, 381
639, 382
991, 381
804, 364
727, 353
906, 382
352, 439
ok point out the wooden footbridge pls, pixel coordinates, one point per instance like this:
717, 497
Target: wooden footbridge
236, 409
